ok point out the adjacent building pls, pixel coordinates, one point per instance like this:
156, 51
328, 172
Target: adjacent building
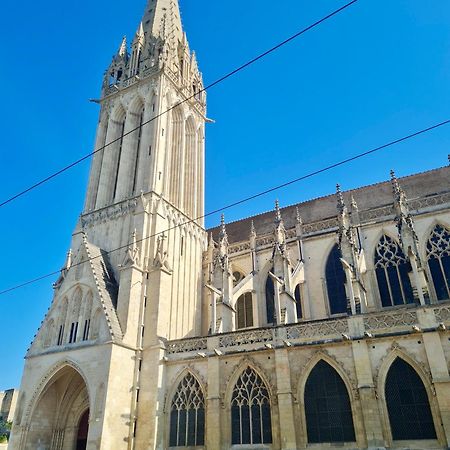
318, 325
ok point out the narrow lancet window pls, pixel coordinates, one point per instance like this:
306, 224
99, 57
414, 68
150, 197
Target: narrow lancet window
119, 155
335, 277
244, 311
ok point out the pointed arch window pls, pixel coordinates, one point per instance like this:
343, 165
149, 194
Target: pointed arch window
251, 421
244, 310
407, 403
187, 414
438, 255
121, 132
270, 299
138, 150
298, 301
335, 277
392, 271
327, 406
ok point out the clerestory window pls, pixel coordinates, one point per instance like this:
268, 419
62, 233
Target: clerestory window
438, 255
392, 271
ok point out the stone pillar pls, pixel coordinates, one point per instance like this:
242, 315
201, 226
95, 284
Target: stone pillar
440, 377
370, 412
213, 403
285, 400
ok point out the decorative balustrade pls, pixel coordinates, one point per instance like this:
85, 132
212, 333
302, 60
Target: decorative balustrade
187, 345
317, 329
390, 320
246, 337
312, 332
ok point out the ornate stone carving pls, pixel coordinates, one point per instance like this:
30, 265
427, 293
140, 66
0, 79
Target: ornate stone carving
313, 329
111, 213
442, 314
397, 319
186, 345
246, 337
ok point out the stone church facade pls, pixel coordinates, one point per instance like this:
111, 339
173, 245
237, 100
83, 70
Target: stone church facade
319, 325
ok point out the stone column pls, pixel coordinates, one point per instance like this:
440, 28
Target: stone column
285, 400
440, 377
213, 403
366, 388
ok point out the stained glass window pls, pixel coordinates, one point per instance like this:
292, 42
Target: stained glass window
187, 414
392, 269
438, 255
327, 406
407, 404
270, 300
250, 410
335, 277
244, 310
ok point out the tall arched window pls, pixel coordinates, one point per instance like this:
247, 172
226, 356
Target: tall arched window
251, 421
270, 300
244, 311
335, 277
298, 300
407, 403
327, 406
138, 150
174, 169
119, 140
187, 414
438, 255
392, 269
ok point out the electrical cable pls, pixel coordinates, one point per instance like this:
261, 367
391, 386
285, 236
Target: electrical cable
220, 80
249, 198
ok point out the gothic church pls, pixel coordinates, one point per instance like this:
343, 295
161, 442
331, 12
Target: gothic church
321, 325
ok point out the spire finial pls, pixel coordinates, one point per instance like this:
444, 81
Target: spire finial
252, 229
340, 197
298, 218
278, 218
223, 230
395, 184
68, 263
123, 47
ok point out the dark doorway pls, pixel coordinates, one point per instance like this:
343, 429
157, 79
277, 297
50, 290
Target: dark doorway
83, 429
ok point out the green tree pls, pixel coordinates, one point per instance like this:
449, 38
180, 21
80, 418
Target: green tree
5, 429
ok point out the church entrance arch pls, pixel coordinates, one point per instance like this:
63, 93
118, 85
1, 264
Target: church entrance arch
60, 416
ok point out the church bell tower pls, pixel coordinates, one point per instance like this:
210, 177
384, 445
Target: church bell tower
132, 279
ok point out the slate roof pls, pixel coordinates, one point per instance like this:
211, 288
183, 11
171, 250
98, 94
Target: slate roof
419, 185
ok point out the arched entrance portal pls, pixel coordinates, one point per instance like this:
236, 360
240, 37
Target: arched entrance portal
83, 429
60, 417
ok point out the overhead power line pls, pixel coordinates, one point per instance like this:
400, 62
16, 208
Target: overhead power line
215, 83
252, 197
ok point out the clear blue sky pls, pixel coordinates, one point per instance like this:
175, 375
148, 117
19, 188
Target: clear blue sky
378, 71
